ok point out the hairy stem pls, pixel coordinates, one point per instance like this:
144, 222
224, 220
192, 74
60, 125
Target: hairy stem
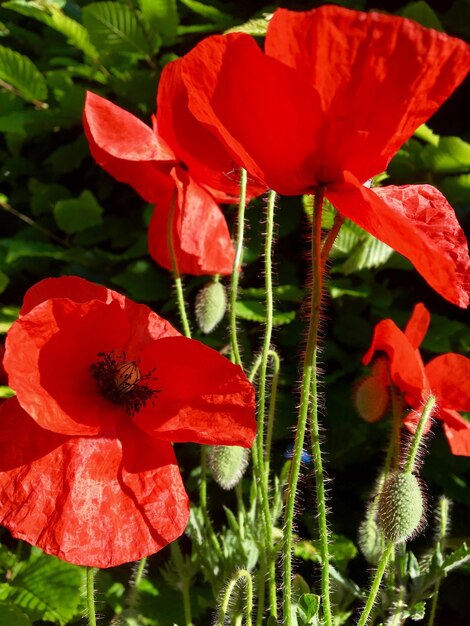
90, 595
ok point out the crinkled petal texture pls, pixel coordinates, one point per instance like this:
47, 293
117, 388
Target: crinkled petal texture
127, 148
336, 90
206, 158
201, 239
205, 398
418, 222
379, 77
91, 501
80, 476
405, 363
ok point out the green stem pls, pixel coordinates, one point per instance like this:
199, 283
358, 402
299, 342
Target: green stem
203, 504
381, 567
308, 373
397, 616
175, 269
272, 407
261, 585
235, 351
331, 237
90, 594
136, 580
416, 440
224, 606
443, 522
178, 556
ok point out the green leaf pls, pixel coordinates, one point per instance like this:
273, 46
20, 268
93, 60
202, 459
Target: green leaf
4, 281
44, 196
113, 28
6, 392
422, 13
456, 188
8, 315
47, 588
418, 611
255, 27
255, 312
12, 615
20, 72
451, 156
162, 16
425, 134
368, 253
459, 557
50, 14
143, 282
77, 214
224, 20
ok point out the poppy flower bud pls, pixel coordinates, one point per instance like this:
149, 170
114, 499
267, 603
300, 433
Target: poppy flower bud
126, 376
401, 507
211, 303
227, 464
371, 540
371, 398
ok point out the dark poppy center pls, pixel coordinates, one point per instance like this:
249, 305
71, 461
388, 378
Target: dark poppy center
122, 382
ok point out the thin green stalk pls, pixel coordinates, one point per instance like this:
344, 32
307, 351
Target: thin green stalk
261, 586
443, 522
176, 550
416, 440
308, 373
224, 606
381, 567
272, 407
203, 504
90, 595
175, 269
235, 351
258, 457
136, 580
331, 237
397, 616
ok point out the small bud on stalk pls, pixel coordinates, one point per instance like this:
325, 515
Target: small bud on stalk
211, 304
401, 507
228, 464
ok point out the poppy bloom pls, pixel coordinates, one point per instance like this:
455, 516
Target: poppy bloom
104, 385
446, 376
179, 166
325, 108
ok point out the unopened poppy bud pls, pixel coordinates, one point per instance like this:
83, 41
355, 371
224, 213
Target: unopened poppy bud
126, 376
371, 539
228, 464
401, 507
211, 303
371, 398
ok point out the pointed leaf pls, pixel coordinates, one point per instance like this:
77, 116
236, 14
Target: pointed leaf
78, 214
20, 72
113, 28
224, 20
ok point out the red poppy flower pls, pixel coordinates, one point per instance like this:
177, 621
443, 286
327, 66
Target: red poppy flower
87, 470
328, 104
179, 166
446, 376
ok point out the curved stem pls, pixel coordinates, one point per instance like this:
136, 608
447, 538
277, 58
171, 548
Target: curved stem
381, 567
308, 374
235, 351
224, 606
136, 580
272, 406
90, 595
443, 522
416, 441
331, 238
176, 551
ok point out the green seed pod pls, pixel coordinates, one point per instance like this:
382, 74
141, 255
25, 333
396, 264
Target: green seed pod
211, 303
401, 507
228, 464
371, 539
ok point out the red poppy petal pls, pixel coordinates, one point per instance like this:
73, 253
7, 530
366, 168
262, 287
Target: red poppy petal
48, 355
208, 161
379, 77
418, 222
449, 379
266, 113
204, 398
406, 366
76, 499
120, 134
201, 238
418, 325
457, 430
145, 322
